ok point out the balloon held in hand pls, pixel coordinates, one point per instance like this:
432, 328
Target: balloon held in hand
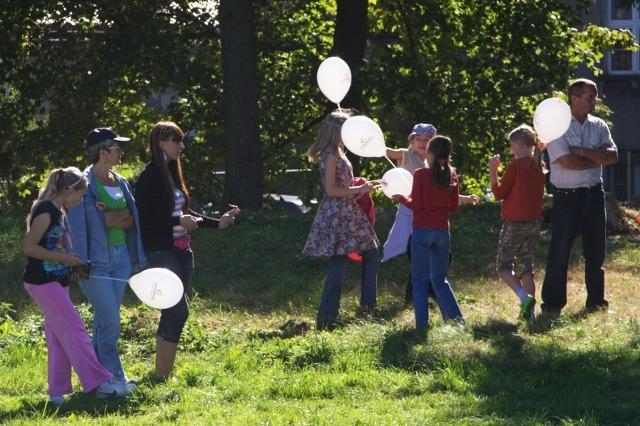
397, 181
362, 136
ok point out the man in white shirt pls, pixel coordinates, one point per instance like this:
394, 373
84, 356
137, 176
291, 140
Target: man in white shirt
578, 199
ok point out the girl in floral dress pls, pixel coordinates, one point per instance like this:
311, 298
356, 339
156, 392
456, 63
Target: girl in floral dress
340, 226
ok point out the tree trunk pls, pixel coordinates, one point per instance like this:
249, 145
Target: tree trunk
243, 162
349, 43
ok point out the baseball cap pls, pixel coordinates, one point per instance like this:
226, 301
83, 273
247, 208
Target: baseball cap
423, 129
101, 134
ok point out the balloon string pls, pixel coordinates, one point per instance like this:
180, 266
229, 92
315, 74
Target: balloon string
392, 163
109, 278
339, 109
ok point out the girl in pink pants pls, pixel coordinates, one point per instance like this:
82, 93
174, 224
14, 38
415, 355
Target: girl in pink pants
46, 279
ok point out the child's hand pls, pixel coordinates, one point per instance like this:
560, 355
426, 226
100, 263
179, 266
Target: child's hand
494, 163
469, 199
79, 273
367, 187
101, 206
396, 198
71, 259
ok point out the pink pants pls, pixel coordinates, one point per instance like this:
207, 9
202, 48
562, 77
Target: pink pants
68, 343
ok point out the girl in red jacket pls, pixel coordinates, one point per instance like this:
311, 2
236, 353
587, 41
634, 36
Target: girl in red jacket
434, 196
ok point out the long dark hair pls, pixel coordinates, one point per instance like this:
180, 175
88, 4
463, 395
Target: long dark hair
171, 170
440, 161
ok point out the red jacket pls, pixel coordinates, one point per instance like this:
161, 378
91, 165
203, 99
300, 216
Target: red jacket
431, 204
522, 189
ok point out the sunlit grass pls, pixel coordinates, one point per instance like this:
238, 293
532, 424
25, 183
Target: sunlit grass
250, 353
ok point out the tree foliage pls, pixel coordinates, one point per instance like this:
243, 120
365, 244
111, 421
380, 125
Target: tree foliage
474, 69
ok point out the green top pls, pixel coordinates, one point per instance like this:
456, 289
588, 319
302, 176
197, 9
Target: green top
115, 202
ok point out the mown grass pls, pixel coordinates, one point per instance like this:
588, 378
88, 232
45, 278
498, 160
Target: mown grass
250, 354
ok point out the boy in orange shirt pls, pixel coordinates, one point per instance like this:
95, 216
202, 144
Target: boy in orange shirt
521, 188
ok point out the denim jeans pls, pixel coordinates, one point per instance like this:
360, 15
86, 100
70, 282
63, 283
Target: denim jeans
576, 211
429, 267
330, 301
105, 296
172, 320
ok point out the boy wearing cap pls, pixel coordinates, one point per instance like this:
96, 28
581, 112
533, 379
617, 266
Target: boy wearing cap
106, 233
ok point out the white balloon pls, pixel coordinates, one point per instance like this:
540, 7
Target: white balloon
551, 119
397, 181
362, 136
334, 78
157, 287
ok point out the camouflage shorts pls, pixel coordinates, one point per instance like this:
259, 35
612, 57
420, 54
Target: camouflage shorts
517, 246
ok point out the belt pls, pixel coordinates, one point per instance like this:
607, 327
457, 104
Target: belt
581, 190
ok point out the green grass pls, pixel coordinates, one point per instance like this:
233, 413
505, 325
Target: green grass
250, 354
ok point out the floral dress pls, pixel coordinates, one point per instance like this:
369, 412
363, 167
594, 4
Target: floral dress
340, 226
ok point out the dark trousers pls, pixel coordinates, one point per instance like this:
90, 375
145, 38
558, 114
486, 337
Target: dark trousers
330, 301
576, 211
180, 262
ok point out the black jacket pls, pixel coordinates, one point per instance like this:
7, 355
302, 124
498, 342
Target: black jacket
155, 206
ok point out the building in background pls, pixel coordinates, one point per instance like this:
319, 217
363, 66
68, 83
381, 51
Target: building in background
620, 90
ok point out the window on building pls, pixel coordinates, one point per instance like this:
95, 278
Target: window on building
621, 10
623, 14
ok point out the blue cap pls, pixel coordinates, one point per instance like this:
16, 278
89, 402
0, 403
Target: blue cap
423, 129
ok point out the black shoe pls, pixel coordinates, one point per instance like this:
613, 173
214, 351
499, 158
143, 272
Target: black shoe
550, 311
367, 312
594, 307
324, 322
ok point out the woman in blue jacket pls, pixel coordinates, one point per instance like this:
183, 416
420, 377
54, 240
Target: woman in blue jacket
106, 233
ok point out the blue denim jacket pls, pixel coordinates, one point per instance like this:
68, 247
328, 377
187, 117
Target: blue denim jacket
88, 230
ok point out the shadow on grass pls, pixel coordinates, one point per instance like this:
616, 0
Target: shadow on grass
77, 404
519, 380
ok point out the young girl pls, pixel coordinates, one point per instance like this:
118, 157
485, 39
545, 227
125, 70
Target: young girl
521, 188
340, 226
411, 159
162, 199
46, 279
433, 196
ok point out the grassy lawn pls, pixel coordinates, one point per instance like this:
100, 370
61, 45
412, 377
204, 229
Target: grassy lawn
250, 353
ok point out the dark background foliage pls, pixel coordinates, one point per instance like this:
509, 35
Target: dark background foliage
474, 69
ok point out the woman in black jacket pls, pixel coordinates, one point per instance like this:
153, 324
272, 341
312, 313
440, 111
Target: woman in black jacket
162, 199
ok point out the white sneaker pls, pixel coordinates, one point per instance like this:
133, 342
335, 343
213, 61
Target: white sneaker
56, 400
123, 388
106, 390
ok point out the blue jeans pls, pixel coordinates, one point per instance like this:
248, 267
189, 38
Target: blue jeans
180, 262
429, 267
576, 211
105, 296
330, 301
